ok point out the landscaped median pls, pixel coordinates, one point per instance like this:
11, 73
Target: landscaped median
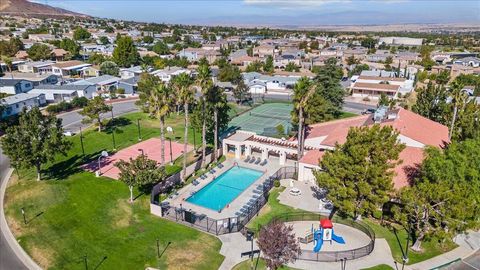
73, 217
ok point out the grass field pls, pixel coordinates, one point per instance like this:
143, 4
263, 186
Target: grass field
431, 248
272, 209
379, 267
73, 214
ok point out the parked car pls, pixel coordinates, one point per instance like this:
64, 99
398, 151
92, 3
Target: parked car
368, 111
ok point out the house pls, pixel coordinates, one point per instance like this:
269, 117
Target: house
59, 54
104, 83
21, 55
66, 92
243, 60
34, 78
372, 87
405, 41
15, 104
468, 61
41, 37
130, 72
168, 73
69, 68
379, 56
91, 71
195, 54
264, 50
260, 84
415, 131
36, 67
283, 60
129, 85
14, 86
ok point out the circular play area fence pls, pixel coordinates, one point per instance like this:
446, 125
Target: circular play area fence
331, 256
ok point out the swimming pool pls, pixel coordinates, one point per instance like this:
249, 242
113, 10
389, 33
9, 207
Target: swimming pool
225, 188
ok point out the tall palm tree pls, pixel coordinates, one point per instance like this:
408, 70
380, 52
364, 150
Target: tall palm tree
204, 80
160, 103
303, 90
216, 99
183, 85
458, 97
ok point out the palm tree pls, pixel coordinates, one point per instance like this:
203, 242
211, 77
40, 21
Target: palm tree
183, 84
303, 90
204, 81
458, 97
215, 97
160, 101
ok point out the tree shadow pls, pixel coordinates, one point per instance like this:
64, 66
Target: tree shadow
115, 123
63, 169
35, 217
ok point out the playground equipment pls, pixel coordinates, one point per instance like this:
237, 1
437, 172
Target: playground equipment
325, 233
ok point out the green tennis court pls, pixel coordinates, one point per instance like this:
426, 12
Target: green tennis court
264, 119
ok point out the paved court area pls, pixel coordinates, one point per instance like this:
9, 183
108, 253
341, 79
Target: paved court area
353, 238
309, 200
264, 119
150, 148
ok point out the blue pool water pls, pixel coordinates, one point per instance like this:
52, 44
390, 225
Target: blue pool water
225, 188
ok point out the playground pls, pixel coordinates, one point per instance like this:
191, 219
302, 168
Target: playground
150, 148
264, 119
352, 238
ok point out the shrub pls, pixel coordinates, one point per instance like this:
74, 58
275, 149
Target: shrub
276, 183
79, 102
120, 91
366, 99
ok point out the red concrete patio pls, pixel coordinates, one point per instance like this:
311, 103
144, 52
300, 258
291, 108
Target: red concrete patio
151, 149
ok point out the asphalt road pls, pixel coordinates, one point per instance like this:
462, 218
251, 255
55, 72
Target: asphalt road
72, 121
8, 259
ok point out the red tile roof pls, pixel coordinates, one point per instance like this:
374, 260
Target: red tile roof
407, 123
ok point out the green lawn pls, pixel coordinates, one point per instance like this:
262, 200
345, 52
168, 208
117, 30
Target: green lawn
245, 265
347, 115
72, 213
272, 209
431, 248
379, 267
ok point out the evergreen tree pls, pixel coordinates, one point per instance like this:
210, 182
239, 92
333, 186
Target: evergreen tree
432, 103
39, 52
125, 53
94, 109
359, 173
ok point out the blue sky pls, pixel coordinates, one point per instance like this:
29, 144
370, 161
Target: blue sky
279, 12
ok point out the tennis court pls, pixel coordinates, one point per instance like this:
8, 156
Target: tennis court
264, 119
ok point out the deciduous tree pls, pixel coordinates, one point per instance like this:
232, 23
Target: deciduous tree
109, 68
125, 53
278, 244
140, 172
94, 109
36, 140
39, 52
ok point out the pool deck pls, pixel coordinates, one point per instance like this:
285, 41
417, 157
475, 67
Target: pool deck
270, 168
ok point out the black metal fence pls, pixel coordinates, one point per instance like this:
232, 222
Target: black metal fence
226, 225
332, 256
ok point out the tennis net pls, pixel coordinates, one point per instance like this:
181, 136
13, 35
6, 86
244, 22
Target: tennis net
286, 118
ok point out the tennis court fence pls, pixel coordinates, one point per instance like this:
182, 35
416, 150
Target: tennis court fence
226, 225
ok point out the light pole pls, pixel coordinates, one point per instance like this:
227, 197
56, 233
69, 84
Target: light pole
24, 218
103, 154
170, 130
113, 139
138, 127
81, 141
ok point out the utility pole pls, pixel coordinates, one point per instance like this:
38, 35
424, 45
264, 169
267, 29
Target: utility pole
81, 142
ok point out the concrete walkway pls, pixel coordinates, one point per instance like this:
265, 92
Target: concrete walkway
232, 246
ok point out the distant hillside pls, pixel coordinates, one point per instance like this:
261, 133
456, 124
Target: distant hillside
26, 8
